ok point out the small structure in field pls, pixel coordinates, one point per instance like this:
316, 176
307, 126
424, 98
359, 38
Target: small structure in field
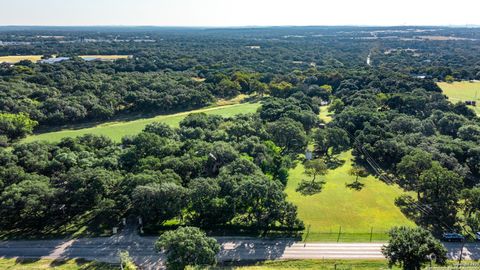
471, 103
308, 155
54, 60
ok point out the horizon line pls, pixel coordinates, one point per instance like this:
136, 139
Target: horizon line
246, 26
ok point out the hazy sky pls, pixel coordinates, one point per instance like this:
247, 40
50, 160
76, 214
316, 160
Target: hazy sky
239, 12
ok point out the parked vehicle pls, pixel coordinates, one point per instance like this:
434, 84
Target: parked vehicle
477, 236
453, 237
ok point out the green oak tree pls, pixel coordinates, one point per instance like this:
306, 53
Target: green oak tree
187, 246
16, 126
411, 248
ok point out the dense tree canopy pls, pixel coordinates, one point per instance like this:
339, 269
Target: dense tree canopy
230, 172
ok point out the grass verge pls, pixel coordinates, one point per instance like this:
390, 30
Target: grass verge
315, 264
38, 264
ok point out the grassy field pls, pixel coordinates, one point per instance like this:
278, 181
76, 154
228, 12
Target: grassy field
461, 91
34, 58
325, 115
356, 212
18, 58
118, 129
31, 264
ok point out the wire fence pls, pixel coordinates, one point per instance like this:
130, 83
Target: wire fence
466, 266
341, 235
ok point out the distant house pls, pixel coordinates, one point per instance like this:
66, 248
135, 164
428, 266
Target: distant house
103, 58
419, 76
54, 60
89, 59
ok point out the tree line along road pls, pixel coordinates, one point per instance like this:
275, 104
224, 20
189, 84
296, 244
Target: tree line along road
142, 249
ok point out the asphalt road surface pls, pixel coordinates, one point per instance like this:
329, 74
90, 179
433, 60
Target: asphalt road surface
233, 249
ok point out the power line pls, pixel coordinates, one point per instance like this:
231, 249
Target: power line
384, 176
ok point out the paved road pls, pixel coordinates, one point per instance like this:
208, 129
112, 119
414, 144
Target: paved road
233, 249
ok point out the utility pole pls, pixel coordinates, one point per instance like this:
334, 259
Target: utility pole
461, 255
463, 246
339, 234
306, 236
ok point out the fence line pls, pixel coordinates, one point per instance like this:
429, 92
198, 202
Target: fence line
342, 235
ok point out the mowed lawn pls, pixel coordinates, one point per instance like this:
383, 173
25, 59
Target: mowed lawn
358, 213
462, 91
117, 130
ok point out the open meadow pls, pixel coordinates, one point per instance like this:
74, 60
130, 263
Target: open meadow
35, 58
339, 213
17, 58
462, 91
325, 115
118, 129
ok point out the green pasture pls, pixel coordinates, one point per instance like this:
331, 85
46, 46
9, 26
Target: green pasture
35, 58
118, 129
462, 91
339, 213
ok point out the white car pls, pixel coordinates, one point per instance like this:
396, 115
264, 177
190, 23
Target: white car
477, 236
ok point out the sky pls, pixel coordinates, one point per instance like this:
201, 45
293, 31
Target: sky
239, 12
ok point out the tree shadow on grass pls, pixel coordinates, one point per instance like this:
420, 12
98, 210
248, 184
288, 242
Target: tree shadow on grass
308, 188
58, 263
25, 261
333, 162
355, 186
408, 207
83, 264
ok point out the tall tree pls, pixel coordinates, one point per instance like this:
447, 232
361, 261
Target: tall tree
412, 166
411, 248
439, 191
289, 135
16, 126
315, 167
157, 203
187, 246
